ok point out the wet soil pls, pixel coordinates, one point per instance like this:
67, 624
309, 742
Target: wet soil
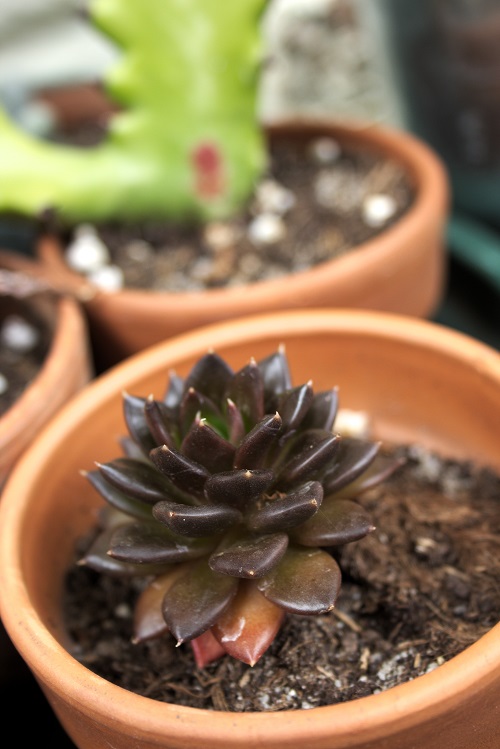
417, 591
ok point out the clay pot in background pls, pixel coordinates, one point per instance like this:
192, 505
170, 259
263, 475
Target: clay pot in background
403, 269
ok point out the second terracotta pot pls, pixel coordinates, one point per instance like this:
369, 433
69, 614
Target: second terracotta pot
67, 367
402, 270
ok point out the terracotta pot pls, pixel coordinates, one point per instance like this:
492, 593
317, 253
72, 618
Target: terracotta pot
419, 382
66, 369
401, 270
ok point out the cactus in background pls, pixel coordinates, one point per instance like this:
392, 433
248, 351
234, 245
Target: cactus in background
186, 142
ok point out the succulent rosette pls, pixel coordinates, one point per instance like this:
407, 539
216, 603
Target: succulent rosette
230, 498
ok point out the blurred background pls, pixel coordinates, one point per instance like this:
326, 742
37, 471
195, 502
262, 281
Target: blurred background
431, 67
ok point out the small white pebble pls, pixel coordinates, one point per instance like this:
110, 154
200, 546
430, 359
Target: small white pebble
220, 236
306, 705
87, 252
264, 701
378, 209
274, 198
352, 423
122, 611
325, 150
108, 278
266, 229
4, 384
18, 335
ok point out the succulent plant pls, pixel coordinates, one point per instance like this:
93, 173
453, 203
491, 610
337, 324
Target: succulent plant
230, 498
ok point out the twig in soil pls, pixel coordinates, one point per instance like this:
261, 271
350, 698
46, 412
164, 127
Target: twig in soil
218, 698
347, 620
181, 689
326, 673
206, 681
364, 659
407, 644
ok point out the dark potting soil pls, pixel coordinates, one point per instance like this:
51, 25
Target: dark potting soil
25, 339
331, 205
417, 591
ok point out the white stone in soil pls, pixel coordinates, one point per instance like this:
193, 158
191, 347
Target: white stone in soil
87, 252
274, 198
18, 335
267, 228
351, 423
220, 236
378, 209
325, 150
108, 278
4, 384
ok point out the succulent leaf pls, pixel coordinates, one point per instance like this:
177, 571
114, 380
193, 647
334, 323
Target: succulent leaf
246, 390
211, 376
249, 624
131, 449
253, 449
160, 424
323, 410
97, 558
196, 405
206, 649
238, 488
135, 419
276, 376
382, 467
202, 442
312, 452
148, 617
340, 521
187, 475
304, 582
283, 512
117, 498
355, 456
294, 405
196, 600
153, 543
250, 557
235, 425
237, 508
196, 522
136, 478
174, 392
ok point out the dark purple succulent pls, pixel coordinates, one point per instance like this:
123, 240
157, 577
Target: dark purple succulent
230, 498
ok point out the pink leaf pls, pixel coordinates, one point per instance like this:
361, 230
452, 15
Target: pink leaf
206, 649
249, 625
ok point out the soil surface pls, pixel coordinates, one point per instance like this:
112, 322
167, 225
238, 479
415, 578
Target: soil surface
417, 591
25, 339
314, 203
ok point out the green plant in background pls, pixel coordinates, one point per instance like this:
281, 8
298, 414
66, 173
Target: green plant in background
185, 143
233, 493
